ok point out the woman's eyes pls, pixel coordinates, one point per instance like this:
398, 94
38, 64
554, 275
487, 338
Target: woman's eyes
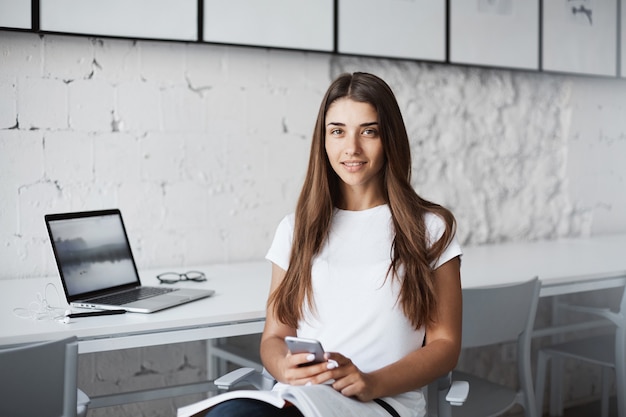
365, 132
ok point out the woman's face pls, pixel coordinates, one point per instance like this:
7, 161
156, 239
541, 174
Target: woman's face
354, 146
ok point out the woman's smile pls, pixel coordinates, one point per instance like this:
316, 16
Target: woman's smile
353, 166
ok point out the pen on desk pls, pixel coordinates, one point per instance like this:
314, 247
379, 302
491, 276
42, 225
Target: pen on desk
95, 313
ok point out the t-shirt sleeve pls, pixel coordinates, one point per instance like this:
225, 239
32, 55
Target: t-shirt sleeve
435, 227
280, 249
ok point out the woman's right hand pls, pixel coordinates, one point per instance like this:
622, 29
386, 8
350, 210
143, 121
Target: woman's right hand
298, 369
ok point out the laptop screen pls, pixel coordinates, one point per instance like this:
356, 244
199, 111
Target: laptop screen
92, 251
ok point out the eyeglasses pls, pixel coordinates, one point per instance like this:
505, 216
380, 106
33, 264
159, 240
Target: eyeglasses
174, 277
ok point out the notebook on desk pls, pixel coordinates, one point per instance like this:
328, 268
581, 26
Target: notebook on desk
97, 267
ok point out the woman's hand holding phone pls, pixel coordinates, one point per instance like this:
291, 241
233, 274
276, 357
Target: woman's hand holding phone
311, 361
350, 381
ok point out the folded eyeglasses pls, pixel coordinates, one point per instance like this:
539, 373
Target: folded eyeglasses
174, 277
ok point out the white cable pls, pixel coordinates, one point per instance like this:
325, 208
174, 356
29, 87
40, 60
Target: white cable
41, 309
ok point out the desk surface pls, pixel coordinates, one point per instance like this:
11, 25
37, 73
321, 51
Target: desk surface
238, 306
563, 266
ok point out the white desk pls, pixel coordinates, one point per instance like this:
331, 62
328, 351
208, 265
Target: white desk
563, 266
237, 308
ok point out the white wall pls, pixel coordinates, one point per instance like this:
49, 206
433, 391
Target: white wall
204, 147
596, 171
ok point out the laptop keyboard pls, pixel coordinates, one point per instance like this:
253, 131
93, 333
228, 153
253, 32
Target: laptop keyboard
132, 295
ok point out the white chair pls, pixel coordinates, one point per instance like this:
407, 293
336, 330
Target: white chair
443, 394
492, 316
607, 351
40, 380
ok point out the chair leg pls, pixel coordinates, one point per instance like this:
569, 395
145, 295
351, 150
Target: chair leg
556, 387
540, 382
526, 382
620, 371
604, 386
556, 370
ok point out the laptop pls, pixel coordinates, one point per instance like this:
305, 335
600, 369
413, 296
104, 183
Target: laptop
97, 267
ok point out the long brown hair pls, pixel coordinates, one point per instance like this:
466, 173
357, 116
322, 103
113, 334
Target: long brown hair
320, 194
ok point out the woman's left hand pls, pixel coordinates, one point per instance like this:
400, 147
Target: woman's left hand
348, 379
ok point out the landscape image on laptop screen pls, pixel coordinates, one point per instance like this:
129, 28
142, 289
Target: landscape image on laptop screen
93, 253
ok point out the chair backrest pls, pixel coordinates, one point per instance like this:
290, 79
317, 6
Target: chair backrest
499, 314
39, 379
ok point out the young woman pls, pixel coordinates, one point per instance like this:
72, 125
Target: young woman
365, 266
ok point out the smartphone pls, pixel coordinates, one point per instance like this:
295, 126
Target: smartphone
302, 345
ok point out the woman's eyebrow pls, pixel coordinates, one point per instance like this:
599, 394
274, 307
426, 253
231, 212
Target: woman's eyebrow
343, 124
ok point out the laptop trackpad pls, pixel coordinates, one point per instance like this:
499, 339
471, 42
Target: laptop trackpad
157, 303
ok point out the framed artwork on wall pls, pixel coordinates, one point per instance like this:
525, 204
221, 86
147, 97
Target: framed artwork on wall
302, 24
152, 19
580, 36
414, 29
501, 33
15, 14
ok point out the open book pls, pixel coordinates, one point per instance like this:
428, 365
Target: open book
201, 407
313, 401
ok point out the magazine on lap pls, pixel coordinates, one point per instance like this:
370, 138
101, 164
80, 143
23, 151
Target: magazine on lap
312, 401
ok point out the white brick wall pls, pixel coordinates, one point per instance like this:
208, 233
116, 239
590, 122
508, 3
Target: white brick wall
182, 137
204, 147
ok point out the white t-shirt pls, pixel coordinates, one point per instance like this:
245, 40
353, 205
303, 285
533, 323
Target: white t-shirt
356, 308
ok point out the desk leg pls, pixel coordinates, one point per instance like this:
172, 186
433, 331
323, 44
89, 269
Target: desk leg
215, 361
220, 353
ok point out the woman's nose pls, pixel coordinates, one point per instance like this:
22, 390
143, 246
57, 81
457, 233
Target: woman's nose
353, 144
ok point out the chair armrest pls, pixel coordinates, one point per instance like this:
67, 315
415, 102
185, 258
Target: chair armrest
458, 392
261, 381
227, 381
